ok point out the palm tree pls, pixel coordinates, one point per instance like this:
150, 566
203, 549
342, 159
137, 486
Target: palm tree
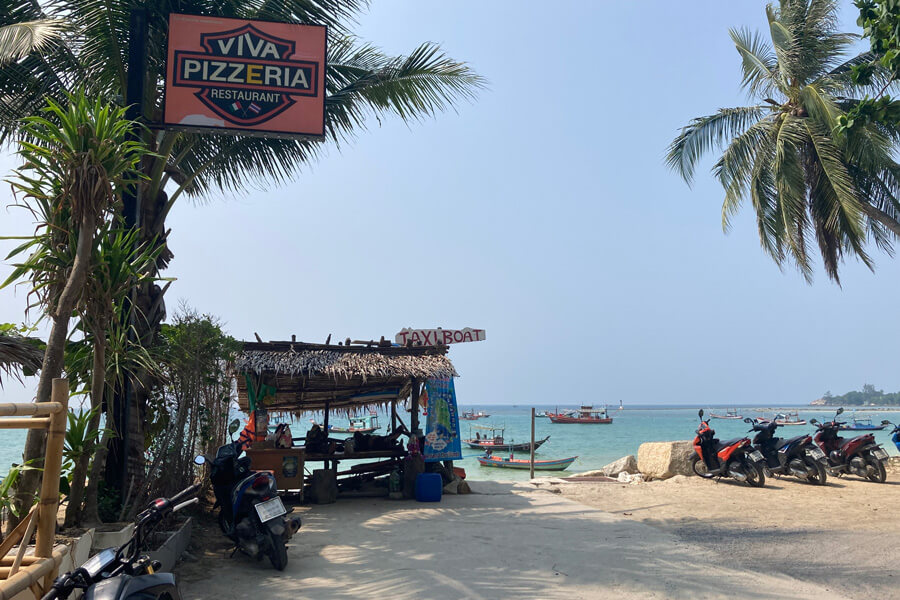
806, 182
361, 81
17, 354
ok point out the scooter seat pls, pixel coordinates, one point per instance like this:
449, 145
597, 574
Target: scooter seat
726, 443
790, 441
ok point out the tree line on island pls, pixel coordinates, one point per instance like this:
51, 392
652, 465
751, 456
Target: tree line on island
867, 396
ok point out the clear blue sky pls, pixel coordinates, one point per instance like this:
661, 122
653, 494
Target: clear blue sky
544, 214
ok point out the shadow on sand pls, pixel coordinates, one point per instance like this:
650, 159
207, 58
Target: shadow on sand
510, 541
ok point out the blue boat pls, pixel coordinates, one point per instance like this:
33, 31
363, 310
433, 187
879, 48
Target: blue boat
862, 424
559, 464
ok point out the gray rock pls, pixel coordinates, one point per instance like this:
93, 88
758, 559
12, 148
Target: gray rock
626, 464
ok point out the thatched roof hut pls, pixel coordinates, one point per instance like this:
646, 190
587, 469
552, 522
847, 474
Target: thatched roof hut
316, 377
17, 354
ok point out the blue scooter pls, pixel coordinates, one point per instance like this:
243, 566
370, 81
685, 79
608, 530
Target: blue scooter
895, 434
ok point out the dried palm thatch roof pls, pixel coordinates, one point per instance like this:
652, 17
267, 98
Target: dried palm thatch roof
17, 354
309, 376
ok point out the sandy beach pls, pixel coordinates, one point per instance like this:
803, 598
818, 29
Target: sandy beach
507, 540
843, 536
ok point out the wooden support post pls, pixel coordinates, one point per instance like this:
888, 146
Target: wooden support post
393, 416
414, 408
532, 443
46, 530
325, 425
17, 562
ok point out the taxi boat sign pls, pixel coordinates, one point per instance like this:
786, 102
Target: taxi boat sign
433, 337
252, 77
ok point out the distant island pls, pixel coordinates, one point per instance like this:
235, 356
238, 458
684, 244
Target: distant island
867, 396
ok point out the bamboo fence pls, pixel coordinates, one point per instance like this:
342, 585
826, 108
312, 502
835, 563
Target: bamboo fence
35, 572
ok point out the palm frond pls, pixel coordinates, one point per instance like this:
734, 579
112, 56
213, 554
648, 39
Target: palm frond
705, 133
735, 167
18, 40
364, 83
758, 62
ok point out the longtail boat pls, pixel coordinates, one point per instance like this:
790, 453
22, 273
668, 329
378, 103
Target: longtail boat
730, 413
862, 424
558, 464
365, 424
493, 440
586, 414
791, 418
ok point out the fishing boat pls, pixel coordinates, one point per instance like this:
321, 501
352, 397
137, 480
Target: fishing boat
730, 413
862, 424
586, 414
566, 412
789, 418
364, 424
558, 464
493, 440
471, 415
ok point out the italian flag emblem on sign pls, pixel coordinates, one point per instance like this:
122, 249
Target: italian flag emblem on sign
235, 106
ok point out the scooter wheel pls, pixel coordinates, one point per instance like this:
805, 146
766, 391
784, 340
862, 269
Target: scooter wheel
278, 551
699, 468
818, 474
879, 474
756, 476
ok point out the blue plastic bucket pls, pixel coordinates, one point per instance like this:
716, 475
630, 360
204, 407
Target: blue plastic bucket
429, 487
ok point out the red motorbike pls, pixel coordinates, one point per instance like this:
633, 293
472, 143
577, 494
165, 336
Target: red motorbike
859, 455
733, 458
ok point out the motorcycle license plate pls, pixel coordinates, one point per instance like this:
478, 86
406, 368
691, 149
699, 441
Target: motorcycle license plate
756, 456
816, 453
880, 454
270, 509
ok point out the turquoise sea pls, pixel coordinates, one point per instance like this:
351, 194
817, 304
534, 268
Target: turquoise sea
595, 445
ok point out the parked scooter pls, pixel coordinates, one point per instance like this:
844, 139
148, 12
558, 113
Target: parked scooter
734, 458
122, 573
895, 434
796, 456
251, 513
859, 455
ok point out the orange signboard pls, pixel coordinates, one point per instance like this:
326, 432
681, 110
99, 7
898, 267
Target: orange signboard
252, 77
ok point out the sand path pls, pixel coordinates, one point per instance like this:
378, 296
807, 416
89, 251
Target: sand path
508, 541
845, 536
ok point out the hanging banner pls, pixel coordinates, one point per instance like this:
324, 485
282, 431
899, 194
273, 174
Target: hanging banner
442, 439
252, 77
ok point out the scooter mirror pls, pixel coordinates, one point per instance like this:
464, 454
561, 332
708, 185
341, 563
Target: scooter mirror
200, 460
233, 427
840, 410
885, 422
748, 420
813, 422
700, 414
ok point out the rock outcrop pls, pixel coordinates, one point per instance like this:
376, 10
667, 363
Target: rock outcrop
661, 460
626, 464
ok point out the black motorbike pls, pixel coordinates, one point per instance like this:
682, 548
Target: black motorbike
251, 513
123, 573
796, 456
